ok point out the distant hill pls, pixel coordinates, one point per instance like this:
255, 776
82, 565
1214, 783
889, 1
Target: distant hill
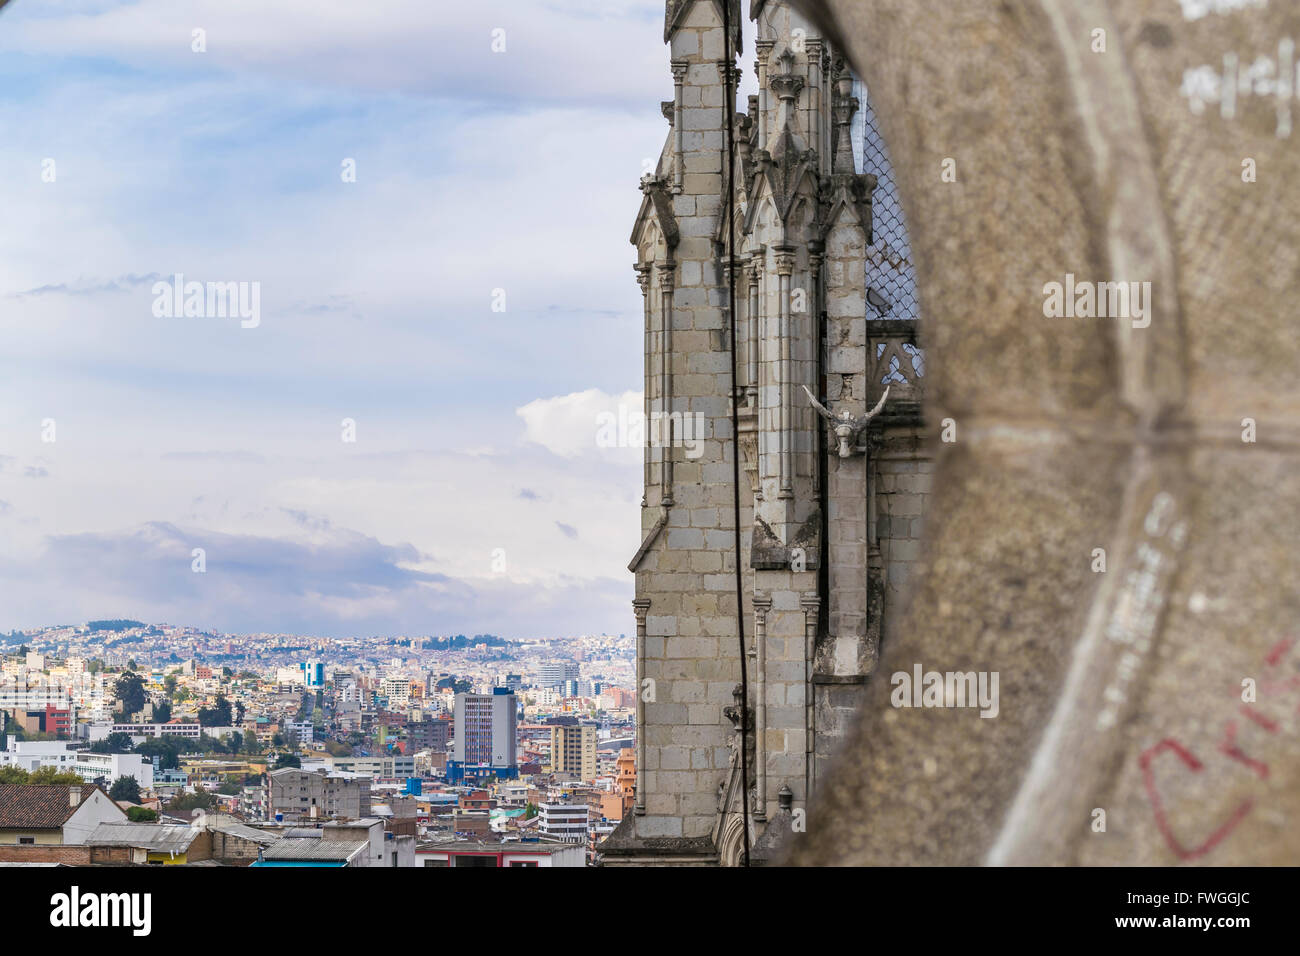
117, 624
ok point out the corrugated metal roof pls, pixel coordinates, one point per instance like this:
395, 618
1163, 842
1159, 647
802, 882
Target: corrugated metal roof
314, 850
247, 833
160, 837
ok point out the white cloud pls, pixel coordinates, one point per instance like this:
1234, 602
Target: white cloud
424, 47
579, 424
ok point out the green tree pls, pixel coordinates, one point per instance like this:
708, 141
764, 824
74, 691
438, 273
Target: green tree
162, 712
54, 777
286, 760
200, 799
125, 788
530, 811
167, 749
218, 715
11, 774
141, 815
114, 743
129, 690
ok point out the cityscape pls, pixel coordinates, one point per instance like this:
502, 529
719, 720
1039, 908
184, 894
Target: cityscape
164, 744
643, 435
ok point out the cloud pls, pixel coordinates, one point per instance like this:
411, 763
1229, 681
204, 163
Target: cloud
583, 424
568, 530
527, 494
414, 47
241, 457
343, 583
88, 287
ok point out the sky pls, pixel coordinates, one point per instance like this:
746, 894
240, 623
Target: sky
468, 304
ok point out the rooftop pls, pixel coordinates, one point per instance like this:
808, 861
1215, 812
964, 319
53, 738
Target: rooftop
28, 807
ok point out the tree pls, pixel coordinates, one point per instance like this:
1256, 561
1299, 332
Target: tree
530, 811
162, 712
129, 690
11, 774
54, 777
166, 748
218, 715
200, 799
286, 760
125, 788
169, 684
114, 743
141, 815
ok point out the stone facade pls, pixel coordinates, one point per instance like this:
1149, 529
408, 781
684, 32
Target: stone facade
829, 530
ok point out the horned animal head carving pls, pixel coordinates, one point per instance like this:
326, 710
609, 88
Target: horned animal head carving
845, 425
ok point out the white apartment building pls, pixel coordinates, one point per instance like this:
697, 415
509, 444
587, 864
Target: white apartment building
101, 730
564, 821
33, 755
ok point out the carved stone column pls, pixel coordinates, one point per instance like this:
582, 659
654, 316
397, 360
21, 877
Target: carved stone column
811, 603
814, 47
640, 606
762, 604
784, 269
666, 283
754, 275
643, 271
764, 50
679, 68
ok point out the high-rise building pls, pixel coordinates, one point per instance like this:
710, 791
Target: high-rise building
313, 673
485, 735
573, 750
556, 673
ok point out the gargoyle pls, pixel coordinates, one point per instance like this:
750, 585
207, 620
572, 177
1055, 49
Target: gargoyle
846, 427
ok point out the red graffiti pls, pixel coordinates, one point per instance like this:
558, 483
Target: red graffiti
1227, 746
1162, 822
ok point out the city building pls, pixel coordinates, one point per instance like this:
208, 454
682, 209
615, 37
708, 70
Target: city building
429, 734
556, 673
573, 750
485, 742
293, 795
564, 821
475, 853
175, 728
313, 673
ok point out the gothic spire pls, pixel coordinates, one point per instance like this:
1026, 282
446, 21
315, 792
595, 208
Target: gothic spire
675, 12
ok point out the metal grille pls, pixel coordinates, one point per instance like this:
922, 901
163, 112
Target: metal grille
890, 274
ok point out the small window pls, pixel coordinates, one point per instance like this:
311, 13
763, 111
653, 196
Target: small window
26, 841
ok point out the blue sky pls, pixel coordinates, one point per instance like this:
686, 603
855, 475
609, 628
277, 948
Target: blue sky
475, 429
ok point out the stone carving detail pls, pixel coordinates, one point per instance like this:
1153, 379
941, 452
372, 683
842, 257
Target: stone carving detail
846, 425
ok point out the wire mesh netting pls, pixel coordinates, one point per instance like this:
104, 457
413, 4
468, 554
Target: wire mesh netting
890, 274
